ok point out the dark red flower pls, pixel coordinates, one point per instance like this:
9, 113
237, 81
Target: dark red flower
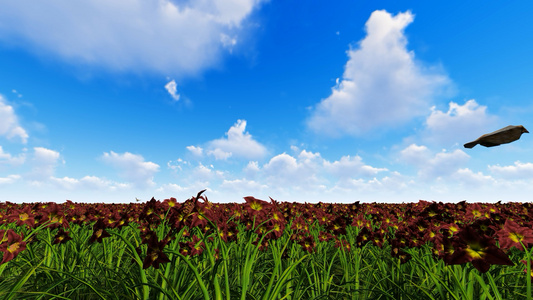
308, 243
512, 234
155, 254
99, 232
12, 246
61, 237
480, 250
23, 216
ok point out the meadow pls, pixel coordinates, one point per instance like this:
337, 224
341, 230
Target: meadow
265, 250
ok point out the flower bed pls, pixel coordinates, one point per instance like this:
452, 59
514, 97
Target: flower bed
265, 250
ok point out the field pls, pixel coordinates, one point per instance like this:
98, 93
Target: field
265, 250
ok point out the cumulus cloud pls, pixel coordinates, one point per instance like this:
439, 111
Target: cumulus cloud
156, 35
7, 159
382, 84
185, 191
9, 125
177, 165
351, 167
468, 178
286, 170
203, 173
132, 167
237, 144
43, 163
517, 171
252, 169
9, 179
88, 183
172, 89
243, 187
197, 151
461, 123
431, 166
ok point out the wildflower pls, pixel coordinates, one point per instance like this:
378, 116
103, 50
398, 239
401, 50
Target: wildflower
61, 237
363, 237
155, 254
308, 243
13, 246
512, 234
256, 207
342, 243
22, 216
480, 250
99, 232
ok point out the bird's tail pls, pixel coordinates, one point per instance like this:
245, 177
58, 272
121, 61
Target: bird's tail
470, 145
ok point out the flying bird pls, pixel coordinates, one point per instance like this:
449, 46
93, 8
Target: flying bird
503, 136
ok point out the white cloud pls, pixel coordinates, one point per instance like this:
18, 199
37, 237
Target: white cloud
284, 172
243, 187
43, 163
184, 192
155, 35
382, 85
460, 124
9, 179
92, 183
9, 125
219, 154
237, 144
176, 165
132, 167
8, 159
227, 41
470, 179
172, 89
518, 171
197, 151
252, 169
430, 166
351, 167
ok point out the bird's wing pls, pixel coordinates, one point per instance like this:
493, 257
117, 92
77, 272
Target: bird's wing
471, 144
501, 136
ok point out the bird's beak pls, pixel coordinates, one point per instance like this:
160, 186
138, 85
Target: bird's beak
525, 130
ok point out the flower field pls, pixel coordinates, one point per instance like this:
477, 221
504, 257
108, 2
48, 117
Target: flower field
265, 250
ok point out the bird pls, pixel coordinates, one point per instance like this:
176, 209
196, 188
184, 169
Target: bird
505, 135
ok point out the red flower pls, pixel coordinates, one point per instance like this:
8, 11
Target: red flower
256, 207
99, 232
61, 237
155, 254
480, 250
13, 246
512, 234
308, 243
22, 216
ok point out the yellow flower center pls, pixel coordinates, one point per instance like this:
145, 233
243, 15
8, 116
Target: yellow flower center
516, 237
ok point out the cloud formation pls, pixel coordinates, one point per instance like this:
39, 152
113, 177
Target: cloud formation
6, 159
43, 164
382, 85
132, 167
431, 167
237, 144
519, 170
165, 36
172, 89
9, 125
460, 124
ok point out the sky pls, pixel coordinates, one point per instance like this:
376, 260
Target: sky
315, 101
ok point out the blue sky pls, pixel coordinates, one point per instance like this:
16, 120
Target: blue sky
357, 101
